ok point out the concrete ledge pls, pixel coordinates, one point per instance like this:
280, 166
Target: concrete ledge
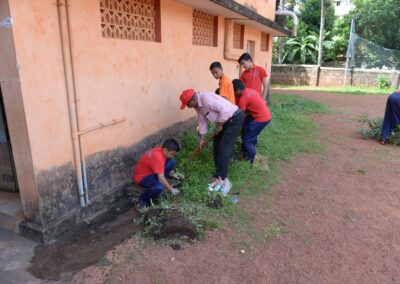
103, 207
9, 223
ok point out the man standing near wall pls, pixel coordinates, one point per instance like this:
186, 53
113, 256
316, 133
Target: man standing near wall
253, 76
228, 120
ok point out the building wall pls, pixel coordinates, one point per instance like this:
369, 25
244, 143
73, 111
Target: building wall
137, 81
265, 8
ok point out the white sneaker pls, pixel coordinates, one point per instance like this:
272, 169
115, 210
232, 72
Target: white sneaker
227, 185
214, 186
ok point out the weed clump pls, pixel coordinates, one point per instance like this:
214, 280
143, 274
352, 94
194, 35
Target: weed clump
372, 130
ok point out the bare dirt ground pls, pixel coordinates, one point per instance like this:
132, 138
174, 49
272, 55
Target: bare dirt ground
334, 218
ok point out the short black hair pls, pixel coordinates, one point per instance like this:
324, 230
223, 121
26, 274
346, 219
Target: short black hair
215, 64
238, 85
246, 57
171, 145
217, 91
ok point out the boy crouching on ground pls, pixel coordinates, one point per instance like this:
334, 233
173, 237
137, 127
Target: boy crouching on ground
153, 168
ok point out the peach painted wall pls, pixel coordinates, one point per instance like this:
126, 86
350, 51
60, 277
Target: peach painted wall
38, 49
140, 81
265, 8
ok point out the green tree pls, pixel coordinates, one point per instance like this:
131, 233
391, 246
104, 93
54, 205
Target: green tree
301, 50
378, 21
341, 34
304, 49
310, 14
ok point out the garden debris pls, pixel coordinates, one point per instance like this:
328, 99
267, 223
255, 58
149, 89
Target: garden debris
168, 222
215, 202
176, 247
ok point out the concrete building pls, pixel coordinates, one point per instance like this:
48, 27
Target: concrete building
342, 7
88, 86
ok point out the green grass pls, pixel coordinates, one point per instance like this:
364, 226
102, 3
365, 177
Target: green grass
351, 90
290, 132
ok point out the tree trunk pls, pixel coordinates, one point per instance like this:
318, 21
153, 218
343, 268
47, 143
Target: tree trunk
321, 33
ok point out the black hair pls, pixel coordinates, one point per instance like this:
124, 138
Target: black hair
215, 64
171, 145
238, 85
217, 91
246, 57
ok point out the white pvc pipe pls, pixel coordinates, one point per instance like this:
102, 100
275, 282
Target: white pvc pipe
70, 88
295, 19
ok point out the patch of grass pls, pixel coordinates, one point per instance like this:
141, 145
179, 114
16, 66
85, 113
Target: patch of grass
340, 90
301, 191
275, 230
290, 132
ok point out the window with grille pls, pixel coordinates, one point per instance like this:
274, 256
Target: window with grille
205, 29
238, 36
264, 41
131, 19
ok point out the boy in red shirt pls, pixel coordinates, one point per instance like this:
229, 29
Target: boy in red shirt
225, 84
254, 77
153, 168
258, 116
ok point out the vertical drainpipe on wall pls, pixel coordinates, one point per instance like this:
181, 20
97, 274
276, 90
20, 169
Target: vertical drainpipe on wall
63, 19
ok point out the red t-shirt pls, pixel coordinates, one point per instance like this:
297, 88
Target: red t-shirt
152, 162
253, 78
252, 102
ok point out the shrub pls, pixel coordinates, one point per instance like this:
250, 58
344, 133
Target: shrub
383, 82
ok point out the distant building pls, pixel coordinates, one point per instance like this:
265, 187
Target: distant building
342, 7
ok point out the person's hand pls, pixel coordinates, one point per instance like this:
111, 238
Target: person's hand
175, 191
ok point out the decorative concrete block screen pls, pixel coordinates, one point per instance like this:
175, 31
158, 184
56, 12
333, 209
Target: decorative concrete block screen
131, 19
238, 36
205, 29
264, 41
